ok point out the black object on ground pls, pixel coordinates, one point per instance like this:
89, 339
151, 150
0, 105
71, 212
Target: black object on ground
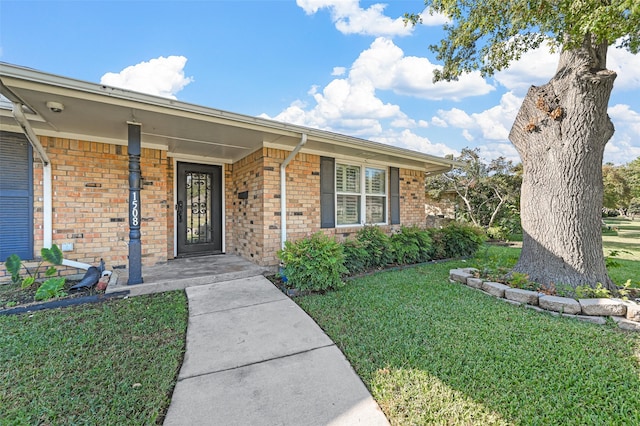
90, 279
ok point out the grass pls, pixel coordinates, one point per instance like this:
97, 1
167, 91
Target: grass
500, 256
627, 240
110, 363
433, 352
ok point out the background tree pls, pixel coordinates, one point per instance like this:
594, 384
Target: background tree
631, 173
487, 194
617, 193
562, 127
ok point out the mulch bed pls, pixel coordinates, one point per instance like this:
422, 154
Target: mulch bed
11, 295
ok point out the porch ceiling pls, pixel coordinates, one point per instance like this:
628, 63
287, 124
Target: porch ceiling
100, 113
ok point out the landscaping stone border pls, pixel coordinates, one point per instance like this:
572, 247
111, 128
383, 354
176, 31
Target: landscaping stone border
626, 314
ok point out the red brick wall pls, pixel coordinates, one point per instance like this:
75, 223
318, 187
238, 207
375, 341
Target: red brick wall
90, 202
254, 225
303, 199
412, 198
245, 217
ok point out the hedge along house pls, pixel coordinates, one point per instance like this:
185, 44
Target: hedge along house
138, 180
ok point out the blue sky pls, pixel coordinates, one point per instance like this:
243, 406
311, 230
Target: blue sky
346, 66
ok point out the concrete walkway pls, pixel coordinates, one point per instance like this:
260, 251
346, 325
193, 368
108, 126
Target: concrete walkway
253, 357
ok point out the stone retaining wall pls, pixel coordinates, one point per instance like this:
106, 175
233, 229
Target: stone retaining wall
625, 313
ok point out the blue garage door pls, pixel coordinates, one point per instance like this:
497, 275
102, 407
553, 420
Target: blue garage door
16, 196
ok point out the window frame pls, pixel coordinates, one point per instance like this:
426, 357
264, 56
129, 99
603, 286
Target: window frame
363, 194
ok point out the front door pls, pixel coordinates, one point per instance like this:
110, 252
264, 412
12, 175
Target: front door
199, 209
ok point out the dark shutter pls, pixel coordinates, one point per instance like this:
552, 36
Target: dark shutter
16, 196
327, 193
394, 193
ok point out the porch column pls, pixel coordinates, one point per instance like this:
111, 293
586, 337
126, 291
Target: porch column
135, 246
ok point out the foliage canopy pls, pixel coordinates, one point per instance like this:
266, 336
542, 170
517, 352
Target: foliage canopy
488, 193
488, 35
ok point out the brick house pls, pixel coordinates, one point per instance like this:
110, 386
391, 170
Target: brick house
137, 179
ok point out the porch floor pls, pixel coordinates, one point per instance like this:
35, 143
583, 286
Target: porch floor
179, 274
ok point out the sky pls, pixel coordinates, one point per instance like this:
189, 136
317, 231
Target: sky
345, 66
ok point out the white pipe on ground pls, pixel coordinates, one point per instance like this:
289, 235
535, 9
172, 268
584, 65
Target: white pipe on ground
283, 189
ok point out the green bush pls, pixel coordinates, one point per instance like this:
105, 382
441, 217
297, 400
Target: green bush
498, 233
52, 287
455, 240
313, 264
376, 244
356, 256
411, 245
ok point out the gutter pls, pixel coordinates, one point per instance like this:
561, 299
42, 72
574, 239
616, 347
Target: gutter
47, 184
118, 96
283, 189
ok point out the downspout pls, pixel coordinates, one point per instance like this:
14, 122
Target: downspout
47, 185
283, 189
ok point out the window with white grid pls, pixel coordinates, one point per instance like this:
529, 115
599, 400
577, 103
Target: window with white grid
360, 189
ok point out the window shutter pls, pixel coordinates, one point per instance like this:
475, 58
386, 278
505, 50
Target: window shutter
327, 193
394, 192
16, 196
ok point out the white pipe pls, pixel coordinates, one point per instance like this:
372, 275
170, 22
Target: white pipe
74, 264
283, 190
47, 207
18, 114
47, 185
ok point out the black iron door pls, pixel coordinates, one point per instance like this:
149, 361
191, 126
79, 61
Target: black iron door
199, 209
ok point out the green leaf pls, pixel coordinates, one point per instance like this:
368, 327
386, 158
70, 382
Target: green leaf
13, 265
51, 288
28, 282
52, 255
51, 271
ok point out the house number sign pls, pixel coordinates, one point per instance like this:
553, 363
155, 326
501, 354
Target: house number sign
135, 210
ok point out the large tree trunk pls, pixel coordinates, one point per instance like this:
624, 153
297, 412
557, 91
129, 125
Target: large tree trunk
560, 133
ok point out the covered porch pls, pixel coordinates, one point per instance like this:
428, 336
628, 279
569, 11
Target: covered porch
181, 273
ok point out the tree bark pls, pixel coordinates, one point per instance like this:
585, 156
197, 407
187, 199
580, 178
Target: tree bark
560, 133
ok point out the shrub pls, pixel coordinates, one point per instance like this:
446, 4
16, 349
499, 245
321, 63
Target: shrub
497, 233
411, 245
456, 240
356, 256
50, 288
315, 263
376, 244
587, 292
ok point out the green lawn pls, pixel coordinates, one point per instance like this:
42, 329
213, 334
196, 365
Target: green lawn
104, 364
433, 352
627, 240
500, 256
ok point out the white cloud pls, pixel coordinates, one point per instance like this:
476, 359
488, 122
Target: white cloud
385, 65
468, 136
433, 19
623, 116
409, 140
491, 124
624, 146
626, 65
535, 67
345, 102
350, 18
493, 150
338, 71
160, 76
438, 122
621, 150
